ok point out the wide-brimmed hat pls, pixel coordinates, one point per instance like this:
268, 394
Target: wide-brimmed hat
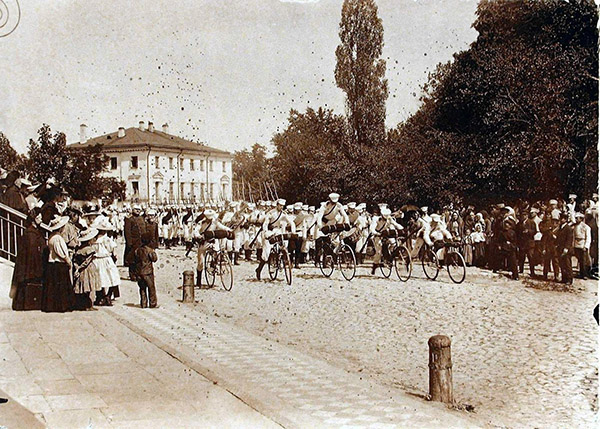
88, 234
281, 202
573, 196
579, 215
334, 197
58, 222
352, 205
104, 225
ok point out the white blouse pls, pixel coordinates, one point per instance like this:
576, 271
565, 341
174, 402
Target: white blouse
59, 252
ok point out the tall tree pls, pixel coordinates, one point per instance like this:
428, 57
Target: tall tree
515, 115
312, 156
8, 155
251, 170
360, 72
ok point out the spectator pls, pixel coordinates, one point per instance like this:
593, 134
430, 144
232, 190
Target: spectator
109, 274
564, 249
549, 228
57, 290
26, 286
86, 277
144, 258
582, 240
12, 196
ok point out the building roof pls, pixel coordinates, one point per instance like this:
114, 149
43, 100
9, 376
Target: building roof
139, 139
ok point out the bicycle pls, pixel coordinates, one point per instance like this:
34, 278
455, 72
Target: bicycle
217, 263
279, 258
395, 256
342, 254
454, 261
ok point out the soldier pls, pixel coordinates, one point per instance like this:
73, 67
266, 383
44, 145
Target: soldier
331, 213
210, 222
379, 226
276, 221
295, 243
571, 206
236, 223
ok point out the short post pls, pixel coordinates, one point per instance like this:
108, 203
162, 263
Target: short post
188, 286
440, 369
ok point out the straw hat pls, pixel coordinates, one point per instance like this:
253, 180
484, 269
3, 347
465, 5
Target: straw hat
58, 222
281, 202
88, 234
104, 225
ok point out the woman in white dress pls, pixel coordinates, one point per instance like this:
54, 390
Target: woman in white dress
109, 273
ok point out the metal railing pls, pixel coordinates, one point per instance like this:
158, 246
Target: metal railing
12, 225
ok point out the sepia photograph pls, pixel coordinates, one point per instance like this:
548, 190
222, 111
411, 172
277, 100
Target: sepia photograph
368, 214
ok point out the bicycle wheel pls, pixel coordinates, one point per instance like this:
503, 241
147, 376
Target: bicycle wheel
273, 264
457, 269
403, 263
225, 272
347, 261
210, 268
430, 263
286, 265
386, 266
326, 262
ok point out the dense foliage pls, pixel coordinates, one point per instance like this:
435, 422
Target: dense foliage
9, 158
512, 117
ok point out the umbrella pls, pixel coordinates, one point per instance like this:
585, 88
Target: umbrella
409, 207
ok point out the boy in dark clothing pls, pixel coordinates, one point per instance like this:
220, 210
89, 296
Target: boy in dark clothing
144, 257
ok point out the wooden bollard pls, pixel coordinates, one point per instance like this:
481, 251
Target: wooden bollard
188, 286
440, 369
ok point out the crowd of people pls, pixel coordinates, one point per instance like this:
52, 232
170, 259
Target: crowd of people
76, 267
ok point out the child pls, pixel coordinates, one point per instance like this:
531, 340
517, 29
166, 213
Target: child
143, 258
86, 276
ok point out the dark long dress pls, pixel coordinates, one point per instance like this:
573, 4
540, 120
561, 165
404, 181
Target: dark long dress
29, 271
57, 292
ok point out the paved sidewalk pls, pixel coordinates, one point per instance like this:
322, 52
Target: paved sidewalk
293, 389
87, 370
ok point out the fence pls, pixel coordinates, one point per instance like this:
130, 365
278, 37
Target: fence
12, 225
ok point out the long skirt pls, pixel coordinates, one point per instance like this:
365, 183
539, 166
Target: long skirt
57, 292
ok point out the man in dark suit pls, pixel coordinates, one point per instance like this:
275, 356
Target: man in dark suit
135, 226
564, 248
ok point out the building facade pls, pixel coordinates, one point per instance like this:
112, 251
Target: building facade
160, 168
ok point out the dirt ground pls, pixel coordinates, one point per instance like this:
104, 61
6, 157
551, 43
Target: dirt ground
524, 355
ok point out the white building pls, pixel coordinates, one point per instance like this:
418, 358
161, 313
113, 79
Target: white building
162, 168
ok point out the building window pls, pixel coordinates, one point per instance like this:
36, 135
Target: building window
113, 163
171, 189
203, 190
134, 162
170, 163
201, 165
224, 166
182, 191
181, 163
210, 166
156, 191
191, 164
136, 188
192, 191
157, 162
224, 190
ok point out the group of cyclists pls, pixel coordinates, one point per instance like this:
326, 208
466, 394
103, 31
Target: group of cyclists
285, 236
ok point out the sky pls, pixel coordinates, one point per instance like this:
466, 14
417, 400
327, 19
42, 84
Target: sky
221, 72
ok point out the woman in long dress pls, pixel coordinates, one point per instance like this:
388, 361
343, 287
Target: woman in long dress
109, 273
57, 289
29, 268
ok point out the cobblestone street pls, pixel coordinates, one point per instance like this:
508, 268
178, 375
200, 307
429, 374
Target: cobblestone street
522, 356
